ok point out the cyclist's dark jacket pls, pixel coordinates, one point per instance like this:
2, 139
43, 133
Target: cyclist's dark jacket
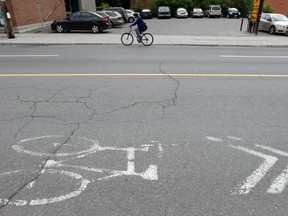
139, 22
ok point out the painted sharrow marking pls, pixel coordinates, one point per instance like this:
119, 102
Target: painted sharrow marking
279, 183
258, 174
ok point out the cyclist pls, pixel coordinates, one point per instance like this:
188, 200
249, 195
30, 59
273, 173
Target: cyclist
141, 26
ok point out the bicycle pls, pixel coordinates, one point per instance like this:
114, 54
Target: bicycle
127, 38
51, 167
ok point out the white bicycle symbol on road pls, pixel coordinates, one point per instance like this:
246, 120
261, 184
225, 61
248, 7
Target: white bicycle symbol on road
51, 166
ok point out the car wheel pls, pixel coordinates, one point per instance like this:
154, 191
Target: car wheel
272, 30
95, 29
131, 19
59, 28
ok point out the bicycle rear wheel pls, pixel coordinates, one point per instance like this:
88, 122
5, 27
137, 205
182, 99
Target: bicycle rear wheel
147, 39
127, 39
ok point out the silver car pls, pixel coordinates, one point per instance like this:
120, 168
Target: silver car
114, 17
197, 12
274, 23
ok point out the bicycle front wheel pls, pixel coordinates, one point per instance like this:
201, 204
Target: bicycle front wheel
147, 39
127, 39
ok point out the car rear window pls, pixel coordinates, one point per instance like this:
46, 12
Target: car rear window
216, 8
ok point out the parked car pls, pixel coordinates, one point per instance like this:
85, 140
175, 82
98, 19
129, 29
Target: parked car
197, 12
81, 20
146, 14
130, 15
231, 13
181, 13
213, 11
274, 23
115, 18
120, 10
164, 12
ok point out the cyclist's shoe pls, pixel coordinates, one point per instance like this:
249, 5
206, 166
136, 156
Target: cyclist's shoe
139, 39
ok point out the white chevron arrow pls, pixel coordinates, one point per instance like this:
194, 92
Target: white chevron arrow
252, 180
278, 184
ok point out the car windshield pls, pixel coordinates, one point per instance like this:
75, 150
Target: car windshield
233, 9
102, 14
94, 13
215, 8
197, 9
279, 17
163, 9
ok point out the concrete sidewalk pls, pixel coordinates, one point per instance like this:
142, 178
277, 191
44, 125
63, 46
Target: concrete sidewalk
108, 38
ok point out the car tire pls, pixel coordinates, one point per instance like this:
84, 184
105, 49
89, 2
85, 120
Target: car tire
95, 29
59, 28
272, 30
130, 19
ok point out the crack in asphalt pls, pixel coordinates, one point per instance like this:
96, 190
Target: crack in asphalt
41, 170
163, 103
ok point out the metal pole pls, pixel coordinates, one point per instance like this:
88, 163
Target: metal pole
259, 15
39, 11
7, 20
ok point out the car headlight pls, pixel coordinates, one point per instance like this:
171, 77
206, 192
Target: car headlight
281, 26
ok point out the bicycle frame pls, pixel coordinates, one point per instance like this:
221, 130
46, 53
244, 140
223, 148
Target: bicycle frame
127, 38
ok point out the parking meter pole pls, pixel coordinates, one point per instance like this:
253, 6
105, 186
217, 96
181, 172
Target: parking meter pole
7, 20
250, 23
259, 15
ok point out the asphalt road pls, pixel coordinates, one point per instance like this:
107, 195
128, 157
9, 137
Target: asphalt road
158, 131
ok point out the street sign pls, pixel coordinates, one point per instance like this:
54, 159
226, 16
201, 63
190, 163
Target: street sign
255, 10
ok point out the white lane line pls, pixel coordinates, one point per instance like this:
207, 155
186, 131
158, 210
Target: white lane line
214, 139
244, 56
9, 56
235, 138
252, 180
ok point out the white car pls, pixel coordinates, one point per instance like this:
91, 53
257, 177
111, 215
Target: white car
181, 13
274, 23
130, 13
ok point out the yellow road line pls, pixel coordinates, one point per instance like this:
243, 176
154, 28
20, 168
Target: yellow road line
147, 75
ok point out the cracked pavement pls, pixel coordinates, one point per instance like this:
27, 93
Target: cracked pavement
50, 126
76, 107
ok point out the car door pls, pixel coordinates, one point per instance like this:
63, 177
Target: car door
72, 22
267, 22
85, 21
